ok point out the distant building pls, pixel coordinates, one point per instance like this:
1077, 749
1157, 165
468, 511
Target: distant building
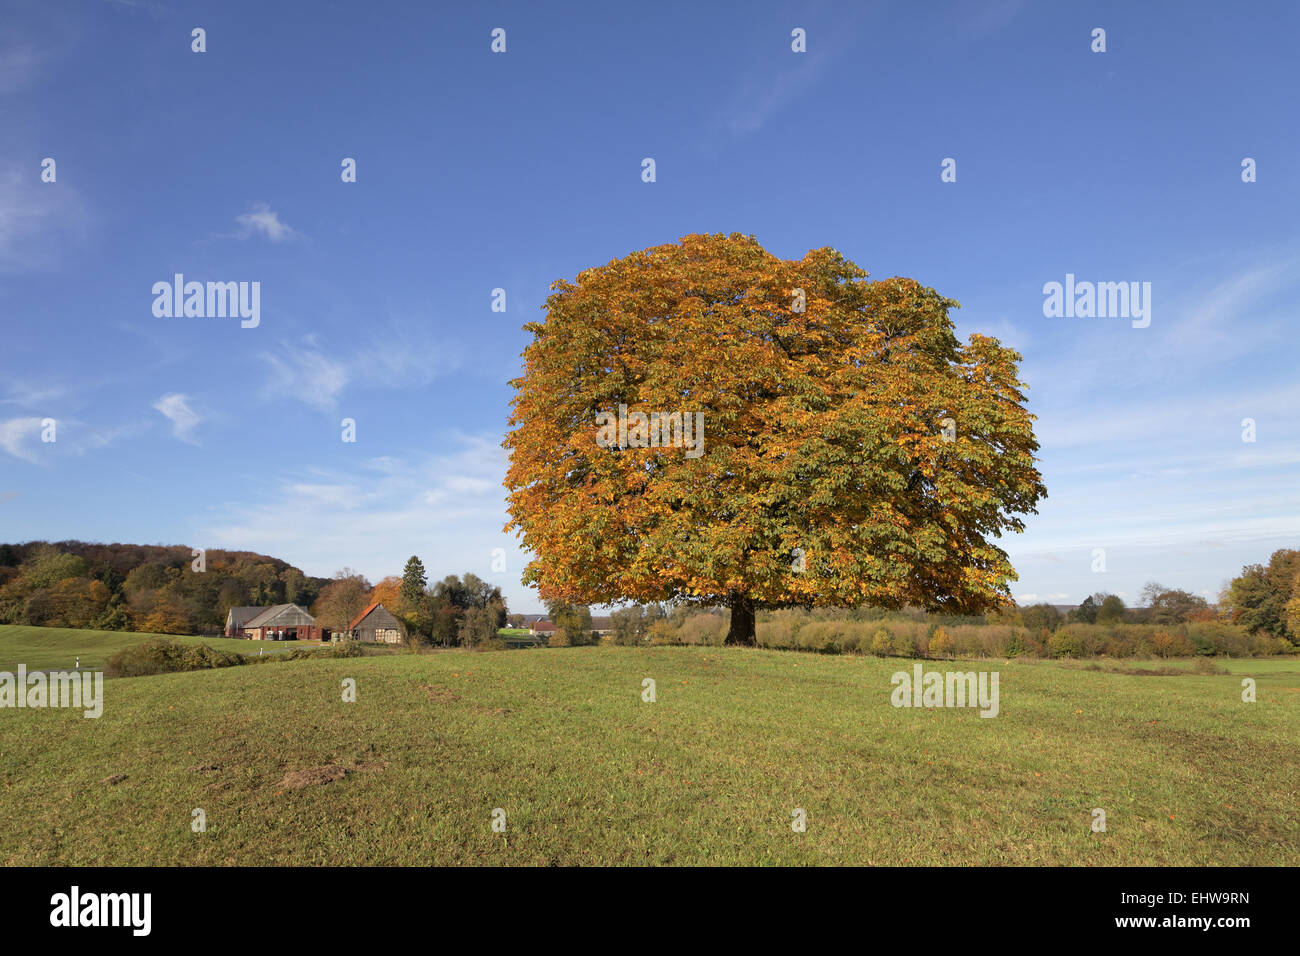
282, 622
545, 628
237, 617
375, 625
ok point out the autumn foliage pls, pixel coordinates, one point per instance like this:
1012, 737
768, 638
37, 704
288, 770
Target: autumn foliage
855, 451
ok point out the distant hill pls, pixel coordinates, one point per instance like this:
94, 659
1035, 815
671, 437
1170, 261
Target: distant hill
145, 587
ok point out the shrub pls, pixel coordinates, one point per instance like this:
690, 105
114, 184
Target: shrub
1063, 643
909, 638
777, 634
853, 635
823, 636
1175, 644
341, 649
882, 643
705, 629
160, 656
941, 643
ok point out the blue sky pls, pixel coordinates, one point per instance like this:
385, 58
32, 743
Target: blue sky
478, 171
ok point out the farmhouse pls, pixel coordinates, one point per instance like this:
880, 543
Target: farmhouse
282, 622
375, 625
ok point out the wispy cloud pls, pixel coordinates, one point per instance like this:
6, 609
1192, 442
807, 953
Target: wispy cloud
19, 436
30, 395
447, 507
176, 408
771, 86
398, 355
37, 219
263, 221
305, 374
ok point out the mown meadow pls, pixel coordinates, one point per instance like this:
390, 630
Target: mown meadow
712, 772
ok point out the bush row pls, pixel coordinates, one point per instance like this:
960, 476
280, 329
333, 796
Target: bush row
911, 635
161, 656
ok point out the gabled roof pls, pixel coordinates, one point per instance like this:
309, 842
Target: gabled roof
284, 615
544, 625
240, 616
364, 614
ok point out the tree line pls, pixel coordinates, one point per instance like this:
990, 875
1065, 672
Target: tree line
1264, 599
131, 587
458, 611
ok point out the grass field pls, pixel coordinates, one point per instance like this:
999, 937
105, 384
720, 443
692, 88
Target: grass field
58, 647
708, 774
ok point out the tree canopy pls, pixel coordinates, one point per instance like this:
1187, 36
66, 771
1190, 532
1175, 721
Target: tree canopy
854, 450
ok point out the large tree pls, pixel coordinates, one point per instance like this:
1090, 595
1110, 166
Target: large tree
1260, 598
342, 600
413, 581
1170, 605
854, 451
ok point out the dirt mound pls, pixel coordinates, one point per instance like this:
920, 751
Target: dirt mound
440, 694
297, 779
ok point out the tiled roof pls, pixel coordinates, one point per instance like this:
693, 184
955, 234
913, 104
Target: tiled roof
239, 616
362, 616
287, 615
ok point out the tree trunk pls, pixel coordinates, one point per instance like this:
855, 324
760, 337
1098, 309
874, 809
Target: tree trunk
742, 621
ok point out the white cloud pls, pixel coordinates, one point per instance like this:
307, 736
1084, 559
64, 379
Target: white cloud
1056, 598
263, 221
448, 508
27, 395
305, 374
177, 410
17, 434
398, 355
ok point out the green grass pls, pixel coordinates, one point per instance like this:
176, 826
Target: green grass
53, 648
709, 774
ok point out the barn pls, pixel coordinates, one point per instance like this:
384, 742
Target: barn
237, 617
376, 625
282, 622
